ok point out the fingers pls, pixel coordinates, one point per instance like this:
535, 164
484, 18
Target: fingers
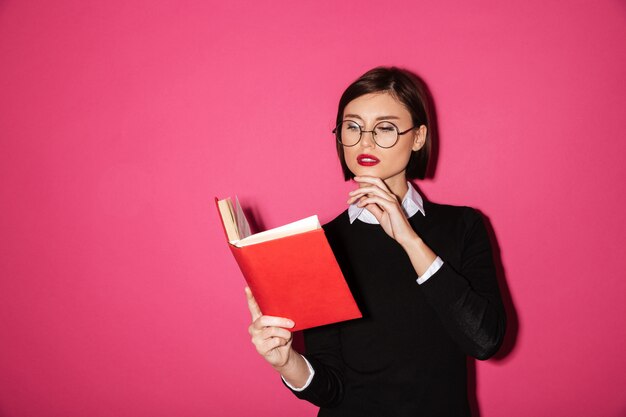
269, 332
271, 321
389, 206
255, 310
376, 211
371, 186
382, 208
378, 206
266, 346
370, 191
268, 335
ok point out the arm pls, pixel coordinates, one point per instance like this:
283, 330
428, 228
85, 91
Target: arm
323, 352
467, 299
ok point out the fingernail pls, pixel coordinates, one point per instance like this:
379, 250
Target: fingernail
291, 323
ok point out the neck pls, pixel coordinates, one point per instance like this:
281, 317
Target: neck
397, 186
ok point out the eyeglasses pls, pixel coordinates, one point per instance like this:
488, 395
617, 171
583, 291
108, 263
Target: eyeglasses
385, 134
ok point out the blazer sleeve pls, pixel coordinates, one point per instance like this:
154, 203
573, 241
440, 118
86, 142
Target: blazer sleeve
324, 354
466, 297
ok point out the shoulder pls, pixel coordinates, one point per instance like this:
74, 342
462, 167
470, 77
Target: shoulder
337, 224
458, 217
450, 211
455, 232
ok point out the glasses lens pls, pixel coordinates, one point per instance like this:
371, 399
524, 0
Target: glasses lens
386, 134
349, 133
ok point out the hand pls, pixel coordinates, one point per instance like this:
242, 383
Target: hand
375, 196
270, 335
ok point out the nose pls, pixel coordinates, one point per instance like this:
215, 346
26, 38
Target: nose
367, 138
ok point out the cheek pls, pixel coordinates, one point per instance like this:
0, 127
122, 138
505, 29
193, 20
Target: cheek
405, 154
402, 158
346, 153
349, 157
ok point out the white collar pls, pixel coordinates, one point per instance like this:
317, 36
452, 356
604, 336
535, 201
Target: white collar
411, 203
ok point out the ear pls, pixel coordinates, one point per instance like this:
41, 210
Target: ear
420, 138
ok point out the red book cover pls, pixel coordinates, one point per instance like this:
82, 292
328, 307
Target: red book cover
297, 277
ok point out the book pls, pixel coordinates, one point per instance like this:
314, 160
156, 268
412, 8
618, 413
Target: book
291, 270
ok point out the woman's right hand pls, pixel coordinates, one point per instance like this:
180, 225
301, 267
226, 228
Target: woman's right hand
270, 335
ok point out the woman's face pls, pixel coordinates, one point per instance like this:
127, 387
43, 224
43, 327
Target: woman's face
366, 158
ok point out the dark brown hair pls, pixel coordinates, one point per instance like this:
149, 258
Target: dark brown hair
409, 90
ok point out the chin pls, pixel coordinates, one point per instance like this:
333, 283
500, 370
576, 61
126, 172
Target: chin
360, 171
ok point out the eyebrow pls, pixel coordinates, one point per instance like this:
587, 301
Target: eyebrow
356, 116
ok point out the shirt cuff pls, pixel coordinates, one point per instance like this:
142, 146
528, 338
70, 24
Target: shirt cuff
308, 381
434, 267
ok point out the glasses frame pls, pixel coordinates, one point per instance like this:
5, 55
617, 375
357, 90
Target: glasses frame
373, 132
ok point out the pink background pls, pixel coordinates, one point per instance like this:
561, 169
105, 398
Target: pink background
121, 120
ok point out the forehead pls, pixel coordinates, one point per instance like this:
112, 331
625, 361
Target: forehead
375, 105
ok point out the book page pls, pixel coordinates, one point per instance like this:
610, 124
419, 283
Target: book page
300, 226
225, 210
242, 223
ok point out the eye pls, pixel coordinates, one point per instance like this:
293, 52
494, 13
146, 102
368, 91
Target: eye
352, 126
386, 127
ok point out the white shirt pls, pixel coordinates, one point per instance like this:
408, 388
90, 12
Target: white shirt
412, 203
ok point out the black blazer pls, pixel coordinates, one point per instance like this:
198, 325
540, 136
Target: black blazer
407, 355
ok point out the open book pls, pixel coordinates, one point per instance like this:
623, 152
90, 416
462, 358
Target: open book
238, 229
291, 269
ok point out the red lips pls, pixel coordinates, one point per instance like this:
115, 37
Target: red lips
367, 160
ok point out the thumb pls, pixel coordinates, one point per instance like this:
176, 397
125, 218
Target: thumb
253, 306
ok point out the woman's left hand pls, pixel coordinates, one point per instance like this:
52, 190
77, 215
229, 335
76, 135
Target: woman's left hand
375, 196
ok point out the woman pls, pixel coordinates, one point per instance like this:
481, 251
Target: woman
422, 274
